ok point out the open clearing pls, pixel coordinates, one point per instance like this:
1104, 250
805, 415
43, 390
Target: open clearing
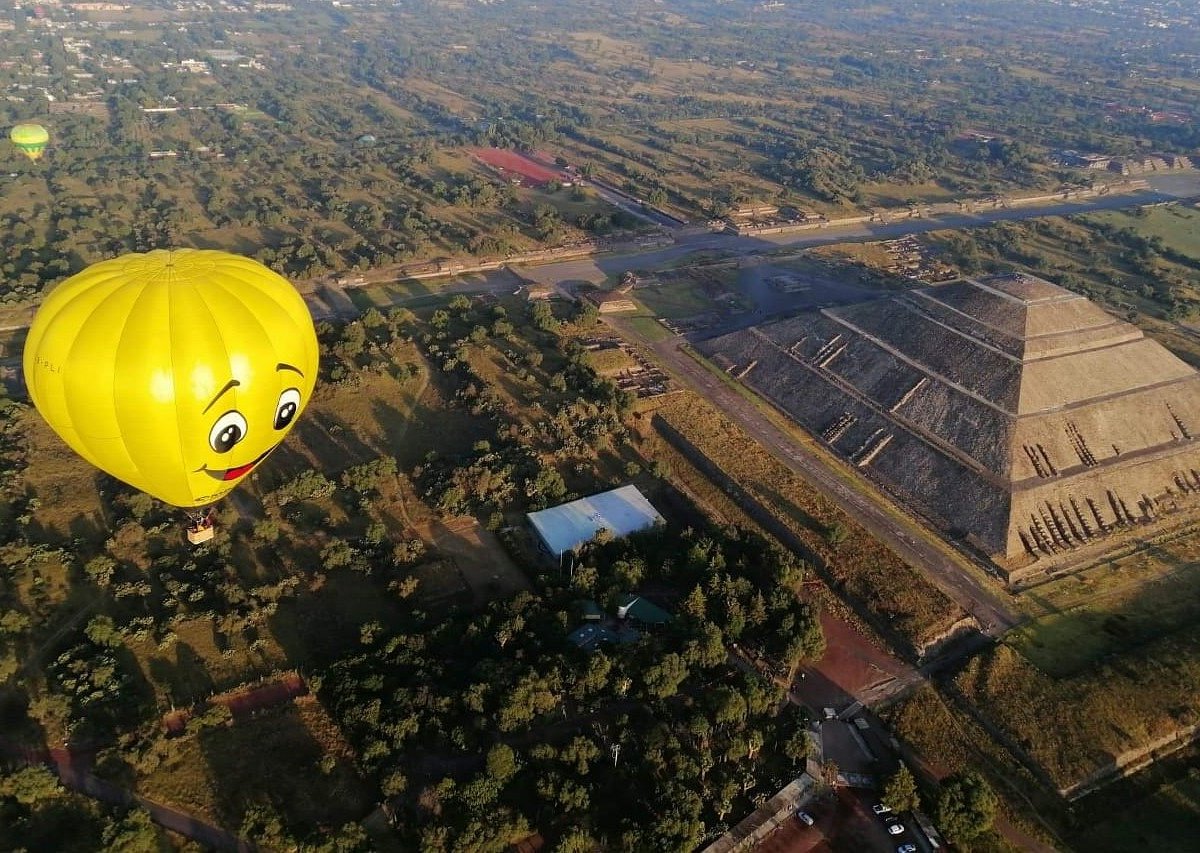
477, 556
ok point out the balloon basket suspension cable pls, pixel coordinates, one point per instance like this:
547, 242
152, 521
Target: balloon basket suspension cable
201, 525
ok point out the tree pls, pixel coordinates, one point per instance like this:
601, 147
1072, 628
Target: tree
966, 806
134, 833
576, 841
797, 745
101, 631
663, 678
900, 793
501, 762
543, 316
30, 785
100, 569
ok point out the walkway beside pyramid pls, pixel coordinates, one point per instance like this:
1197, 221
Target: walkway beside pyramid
1008, 411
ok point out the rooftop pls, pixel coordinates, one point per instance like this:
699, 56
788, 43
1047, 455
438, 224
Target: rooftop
620, 511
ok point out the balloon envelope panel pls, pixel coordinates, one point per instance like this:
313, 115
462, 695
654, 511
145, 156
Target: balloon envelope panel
176, 372
30, 139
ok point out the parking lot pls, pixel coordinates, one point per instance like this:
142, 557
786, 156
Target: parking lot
842, 822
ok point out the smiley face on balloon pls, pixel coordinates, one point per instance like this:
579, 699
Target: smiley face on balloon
177, 372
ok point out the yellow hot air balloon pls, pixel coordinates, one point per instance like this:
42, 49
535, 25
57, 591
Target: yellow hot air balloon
174, 371
30, 139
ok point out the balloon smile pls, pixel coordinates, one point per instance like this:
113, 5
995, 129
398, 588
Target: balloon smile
240, 470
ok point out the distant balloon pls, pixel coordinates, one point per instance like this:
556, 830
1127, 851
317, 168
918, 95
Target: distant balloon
174, 371
30, 139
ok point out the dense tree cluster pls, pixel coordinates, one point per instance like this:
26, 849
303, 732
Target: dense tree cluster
37, 813
498, 723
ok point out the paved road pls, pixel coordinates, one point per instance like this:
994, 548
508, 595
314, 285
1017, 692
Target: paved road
598, 268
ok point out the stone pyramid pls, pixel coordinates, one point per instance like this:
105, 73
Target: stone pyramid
1007, 410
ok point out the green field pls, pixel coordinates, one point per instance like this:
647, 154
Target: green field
383, 296
685, 299
1110, 608
1176, 225
647, 328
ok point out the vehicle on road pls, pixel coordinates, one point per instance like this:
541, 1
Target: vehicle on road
805, 818
861, 723
895, 828
830, 713
880, 808
907, 848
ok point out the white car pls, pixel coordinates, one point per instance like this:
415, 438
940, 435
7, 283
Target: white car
880, 808
805, 818
895, 828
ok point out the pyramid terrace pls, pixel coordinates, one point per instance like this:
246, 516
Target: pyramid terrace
1014, 415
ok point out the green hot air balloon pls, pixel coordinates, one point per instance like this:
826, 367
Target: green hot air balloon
30, 139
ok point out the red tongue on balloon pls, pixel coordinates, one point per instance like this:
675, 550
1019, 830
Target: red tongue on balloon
234, 473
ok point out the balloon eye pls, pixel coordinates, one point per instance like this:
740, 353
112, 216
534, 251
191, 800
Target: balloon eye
289, 404
229, 429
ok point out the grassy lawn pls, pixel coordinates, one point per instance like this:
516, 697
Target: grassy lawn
1111, 607
384, 296
1178, 226
647, 328
685, 299
609, 361
201, 663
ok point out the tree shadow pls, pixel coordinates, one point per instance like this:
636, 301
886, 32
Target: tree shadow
273, 761
187, 680
794, 512
317, 627
19, 733
456, 431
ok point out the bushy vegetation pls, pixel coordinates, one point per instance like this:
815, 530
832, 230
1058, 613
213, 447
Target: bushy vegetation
483, 726
1074, 727
37, 813
906, 604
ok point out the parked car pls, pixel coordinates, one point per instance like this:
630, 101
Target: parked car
895, 828
880, 808
907, 848
805, 818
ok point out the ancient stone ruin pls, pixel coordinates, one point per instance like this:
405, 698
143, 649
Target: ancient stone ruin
1013, 414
